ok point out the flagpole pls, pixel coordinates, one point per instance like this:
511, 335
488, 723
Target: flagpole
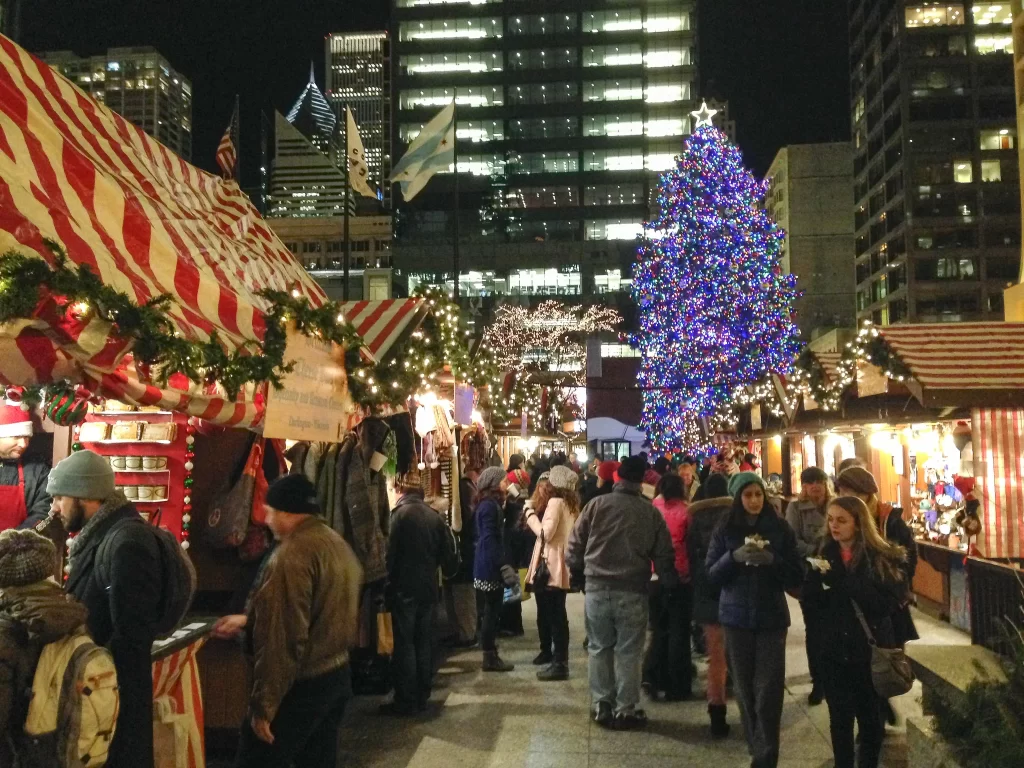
458, 207
238, 143
344, 287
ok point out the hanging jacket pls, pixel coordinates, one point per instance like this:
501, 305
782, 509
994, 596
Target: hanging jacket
705, 516
365, 501
754, 597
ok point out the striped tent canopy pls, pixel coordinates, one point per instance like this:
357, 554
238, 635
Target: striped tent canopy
962, 364
382, 323
830, 364
141, 218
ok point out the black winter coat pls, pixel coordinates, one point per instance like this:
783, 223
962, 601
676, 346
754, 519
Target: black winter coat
754, 597
467, 536
705, 517
420, 542
123, 612
838, 636
898, 532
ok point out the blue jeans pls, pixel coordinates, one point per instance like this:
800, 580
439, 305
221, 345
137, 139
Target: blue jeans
616, 628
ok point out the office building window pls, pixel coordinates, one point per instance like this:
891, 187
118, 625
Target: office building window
547, 24
985, 14
544, 162
614, 194
613, 125
481, 165
661, 123
613, 21
962, 171
543, 128
991, 170
998, 138
986, 44
662, 89
951, 14
613, 90
612, 229
551, 282
666, 20
486, 61
613, 160
612, 55
946, 268
542, 197
543, 58
468, 96
612, 281
417, 3
449, 29
474, 131
542, 93
661, 55
662, 157
617, 350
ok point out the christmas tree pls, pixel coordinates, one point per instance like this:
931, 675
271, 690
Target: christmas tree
715, 310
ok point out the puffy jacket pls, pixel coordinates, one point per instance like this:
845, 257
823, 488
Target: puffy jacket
754, 597
705, 517
615, 540
30, 617
839, 636
556, 528
489, 554
303, 617
678, 521
807, 520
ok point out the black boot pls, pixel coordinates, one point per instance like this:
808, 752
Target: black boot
719, 728
556, 670
493, 663
816, 696
543, 659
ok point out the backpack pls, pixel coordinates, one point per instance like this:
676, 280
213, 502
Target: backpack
74, 706
179, 575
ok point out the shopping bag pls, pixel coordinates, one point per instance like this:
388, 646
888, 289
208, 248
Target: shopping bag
385, 634
513, 594
523, 587
228, 520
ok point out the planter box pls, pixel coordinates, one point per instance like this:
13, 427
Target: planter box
925, 748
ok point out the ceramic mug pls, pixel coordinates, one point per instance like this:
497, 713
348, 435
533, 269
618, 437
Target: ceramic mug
159, 491
150, 462
145, 492
133, 463
161, 462
131, 491
119, 463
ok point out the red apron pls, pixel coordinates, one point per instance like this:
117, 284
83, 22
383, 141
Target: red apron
12, 503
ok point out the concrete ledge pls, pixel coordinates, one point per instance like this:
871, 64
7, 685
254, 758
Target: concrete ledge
925, 748
947, 671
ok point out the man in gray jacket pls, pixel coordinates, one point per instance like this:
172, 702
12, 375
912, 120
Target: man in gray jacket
613, 544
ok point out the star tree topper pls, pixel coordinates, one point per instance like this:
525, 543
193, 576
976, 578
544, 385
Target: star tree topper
704, 115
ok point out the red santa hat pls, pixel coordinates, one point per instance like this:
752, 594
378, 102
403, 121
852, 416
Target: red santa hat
14, 421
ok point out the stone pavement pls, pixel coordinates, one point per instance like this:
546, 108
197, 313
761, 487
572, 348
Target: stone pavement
513, 721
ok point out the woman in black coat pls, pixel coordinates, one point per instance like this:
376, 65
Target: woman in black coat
855, 568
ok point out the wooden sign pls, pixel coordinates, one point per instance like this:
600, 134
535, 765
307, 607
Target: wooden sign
314, 403
871, 380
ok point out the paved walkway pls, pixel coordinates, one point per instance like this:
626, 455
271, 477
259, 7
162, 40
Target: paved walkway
513, 721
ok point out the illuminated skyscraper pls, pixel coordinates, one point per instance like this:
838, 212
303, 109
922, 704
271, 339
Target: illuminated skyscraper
140, 85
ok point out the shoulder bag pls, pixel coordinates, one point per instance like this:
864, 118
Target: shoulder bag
542, 574
891, 673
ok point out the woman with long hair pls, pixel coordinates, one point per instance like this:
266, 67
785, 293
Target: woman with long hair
554, 508
854, 569
488, 559
753, 559
706, 514
806, 516
667, 665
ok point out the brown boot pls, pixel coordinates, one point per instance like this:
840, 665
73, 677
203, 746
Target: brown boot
493, 663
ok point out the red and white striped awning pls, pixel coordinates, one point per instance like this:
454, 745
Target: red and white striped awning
382, 323
830, 364
141, 218
961, 356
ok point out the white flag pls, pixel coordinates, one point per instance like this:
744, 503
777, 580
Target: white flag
431, 151
357, 169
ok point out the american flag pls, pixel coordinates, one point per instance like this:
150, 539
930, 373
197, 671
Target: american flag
227, 153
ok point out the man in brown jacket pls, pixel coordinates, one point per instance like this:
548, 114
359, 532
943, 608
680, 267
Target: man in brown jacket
301, 621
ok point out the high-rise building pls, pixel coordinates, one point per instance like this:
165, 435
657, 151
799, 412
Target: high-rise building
937, 198
304, 181
10, 19
140, 85
359, 77
809, 197
567, 110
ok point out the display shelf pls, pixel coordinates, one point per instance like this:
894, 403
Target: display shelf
131, 413
141, 471
149, 501
128, 442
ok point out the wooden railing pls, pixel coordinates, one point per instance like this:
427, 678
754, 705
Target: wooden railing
997, 601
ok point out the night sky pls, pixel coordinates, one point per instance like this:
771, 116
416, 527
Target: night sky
782, 65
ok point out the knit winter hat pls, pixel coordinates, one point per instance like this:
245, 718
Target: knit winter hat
716, 486
607, 470
564, 478
82, 475
25, 558
490, 479
858, 480
632, 469
293, 494
741, 480
15, 421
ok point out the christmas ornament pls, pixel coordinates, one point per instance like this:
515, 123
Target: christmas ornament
65, 408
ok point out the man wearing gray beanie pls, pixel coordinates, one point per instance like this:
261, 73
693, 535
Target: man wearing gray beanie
114, 570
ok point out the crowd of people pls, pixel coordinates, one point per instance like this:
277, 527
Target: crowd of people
673, 558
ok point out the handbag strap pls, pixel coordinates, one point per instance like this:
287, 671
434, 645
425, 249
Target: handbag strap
863, 623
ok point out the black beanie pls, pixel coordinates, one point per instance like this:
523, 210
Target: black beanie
293, 494
632, 469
